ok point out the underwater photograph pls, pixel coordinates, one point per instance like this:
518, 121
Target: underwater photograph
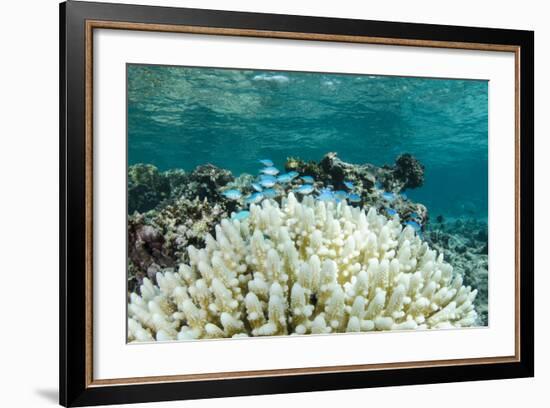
275, 203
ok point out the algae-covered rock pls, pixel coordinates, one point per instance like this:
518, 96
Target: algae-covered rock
146, 187
378, 187
157, 238
409, 171
206, 180
306, 168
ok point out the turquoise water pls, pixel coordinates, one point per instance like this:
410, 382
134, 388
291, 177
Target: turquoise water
181, 117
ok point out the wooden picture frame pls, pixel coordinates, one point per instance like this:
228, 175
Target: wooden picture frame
78, 20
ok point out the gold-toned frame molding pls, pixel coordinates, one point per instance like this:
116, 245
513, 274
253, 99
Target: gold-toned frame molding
117, 25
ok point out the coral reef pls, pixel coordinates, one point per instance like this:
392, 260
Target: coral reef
407, 172
146, 187
300, 268
205, 182
464, 244
158, 239
167, 211
173, 209
380, 187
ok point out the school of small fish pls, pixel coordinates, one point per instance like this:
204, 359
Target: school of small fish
270, 184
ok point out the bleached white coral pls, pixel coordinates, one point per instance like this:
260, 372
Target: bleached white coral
299, 268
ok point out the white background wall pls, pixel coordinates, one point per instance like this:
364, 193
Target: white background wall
29, 205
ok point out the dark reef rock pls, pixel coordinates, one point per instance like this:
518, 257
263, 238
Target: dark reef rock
370, 182
176, 178
146, 187
203, 182
309, 168
406, 173
167, 211
409, 171
158, 238
339, 171
206, 180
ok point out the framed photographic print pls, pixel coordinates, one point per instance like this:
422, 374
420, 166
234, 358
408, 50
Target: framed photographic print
256, 203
